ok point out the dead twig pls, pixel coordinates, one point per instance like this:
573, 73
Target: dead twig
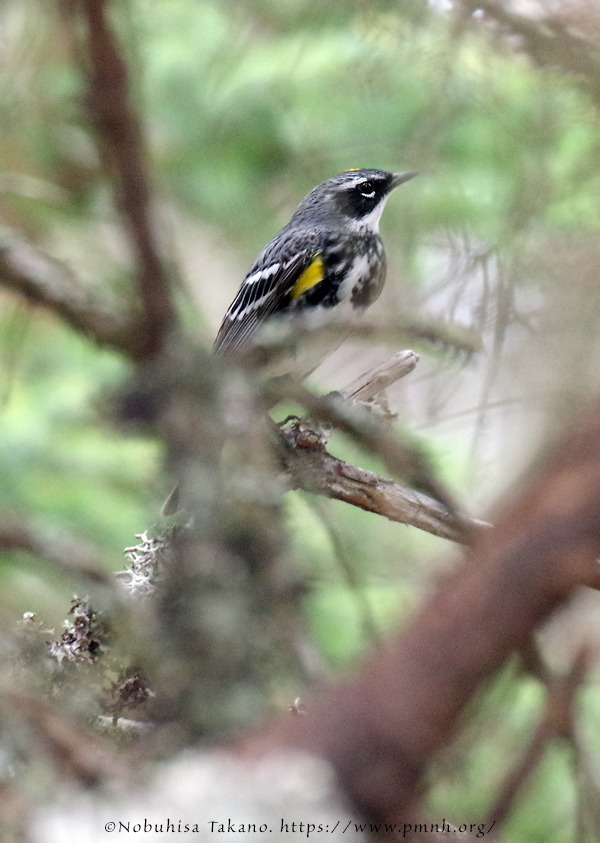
312, 468
279, 335
403, 458
377, 380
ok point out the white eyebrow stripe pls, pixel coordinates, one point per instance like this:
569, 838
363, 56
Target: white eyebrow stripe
355, 182
361, 180
262, 273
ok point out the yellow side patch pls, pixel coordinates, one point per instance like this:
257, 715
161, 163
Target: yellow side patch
311, 276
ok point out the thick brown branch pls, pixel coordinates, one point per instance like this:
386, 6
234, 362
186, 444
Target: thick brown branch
315, 470
49, 283
121, 144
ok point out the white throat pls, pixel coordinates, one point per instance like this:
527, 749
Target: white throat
370, 222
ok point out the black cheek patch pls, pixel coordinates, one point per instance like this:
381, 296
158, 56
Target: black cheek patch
361, 205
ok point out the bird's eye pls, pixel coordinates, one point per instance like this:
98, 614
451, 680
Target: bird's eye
367, 189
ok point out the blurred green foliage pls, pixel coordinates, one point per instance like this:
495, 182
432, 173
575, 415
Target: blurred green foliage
61, 461
247, 106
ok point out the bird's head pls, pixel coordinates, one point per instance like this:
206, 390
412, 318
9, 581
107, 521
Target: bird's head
355, 197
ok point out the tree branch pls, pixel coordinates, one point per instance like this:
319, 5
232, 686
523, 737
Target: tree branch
401, 457
312, 468
557, 722
383, 728
69, 555
74, 751
49, 283
121, 145
548, 43
365, 387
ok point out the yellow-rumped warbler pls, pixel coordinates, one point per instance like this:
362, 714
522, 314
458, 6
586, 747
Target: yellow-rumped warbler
327, 263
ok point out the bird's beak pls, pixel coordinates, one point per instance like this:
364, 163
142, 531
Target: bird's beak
400, 178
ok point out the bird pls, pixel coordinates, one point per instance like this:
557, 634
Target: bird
326, 266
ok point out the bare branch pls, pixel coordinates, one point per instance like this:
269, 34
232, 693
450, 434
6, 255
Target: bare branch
313, 469
377, 380
49, 283
121, 145
73, 751
402, 457
278, 335
558, 721
548, 43
70, 555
